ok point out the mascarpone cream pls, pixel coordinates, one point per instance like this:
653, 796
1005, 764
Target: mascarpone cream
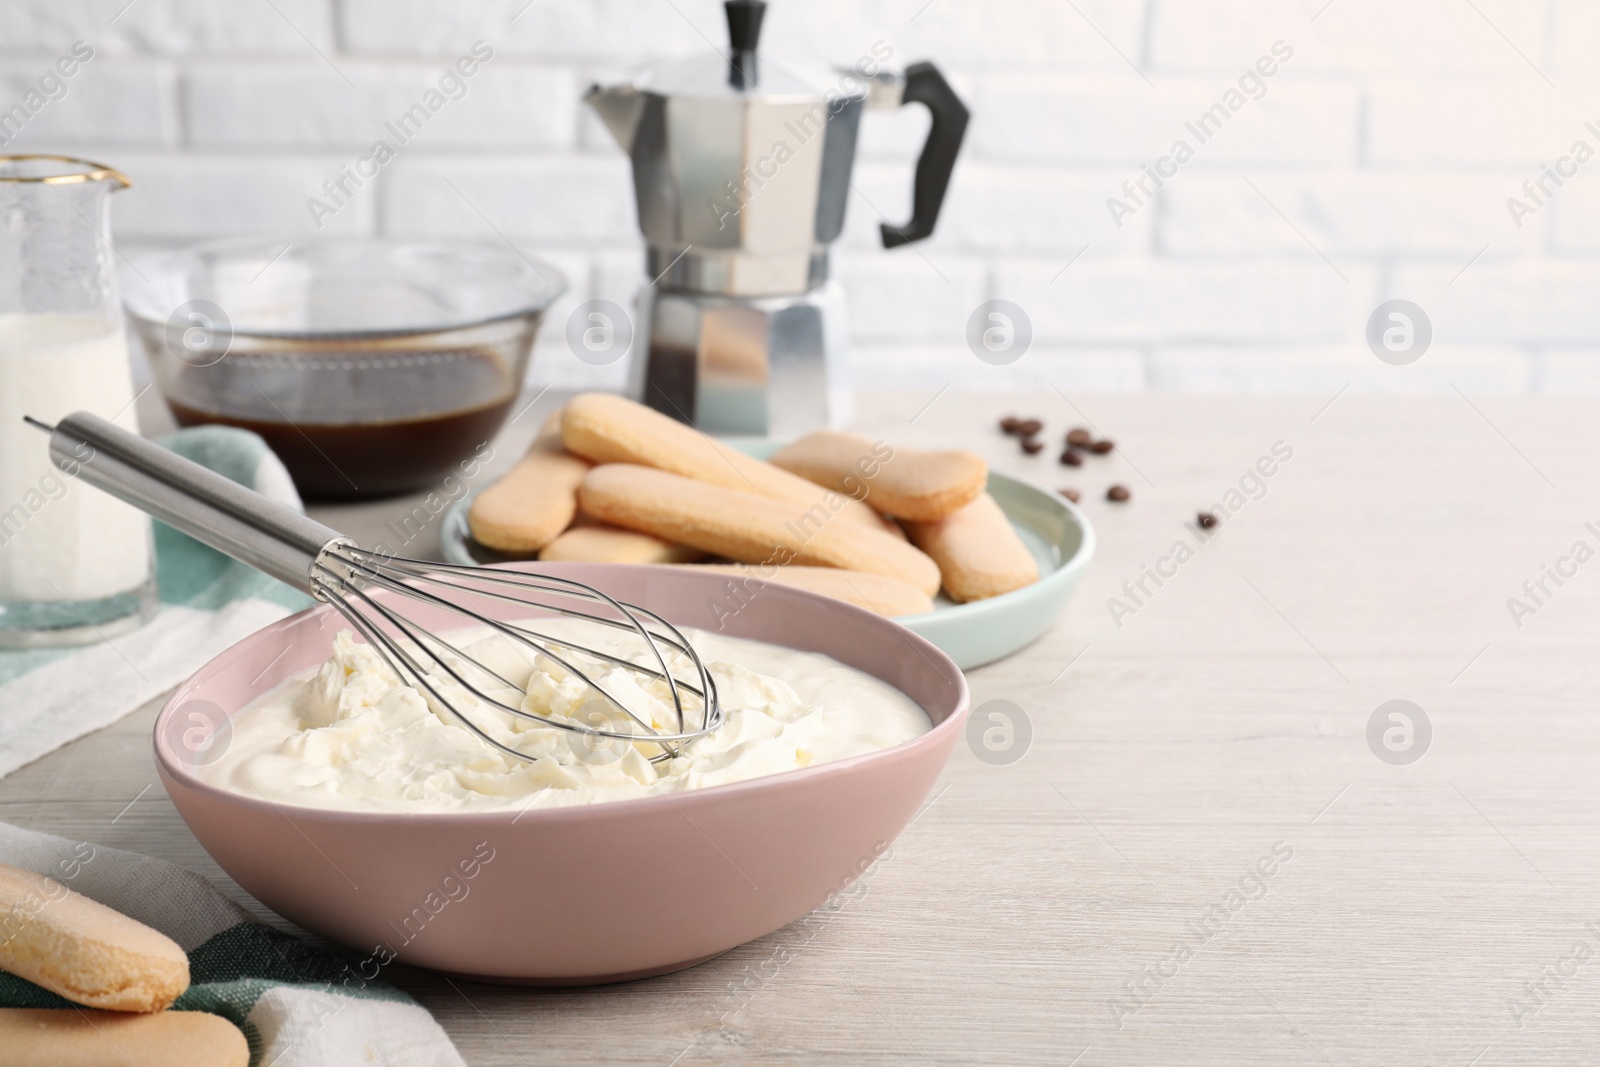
350, 735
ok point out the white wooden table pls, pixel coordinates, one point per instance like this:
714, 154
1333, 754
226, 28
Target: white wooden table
1226, 715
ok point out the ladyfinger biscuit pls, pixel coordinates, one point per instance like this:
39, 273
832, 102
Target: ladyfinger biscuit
598, 543
535, 500
609, 429
875, 592
904, 482
83, 950
978, 551
60, 1037
745, 527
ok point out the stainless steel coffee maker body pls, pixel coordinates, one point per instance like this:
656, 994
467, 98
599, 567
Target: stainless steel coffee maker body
741, 167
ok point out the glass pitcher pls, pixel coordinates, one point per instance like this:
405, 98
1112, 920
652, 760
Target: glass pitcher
76, 566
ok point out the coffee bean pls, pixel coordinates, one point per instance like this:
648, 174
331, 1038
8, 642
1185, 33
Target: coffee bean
1029, 427
1009, 424
1118, 493
1100, 448
1070, 494
1031, 446
1079, 436
1071, 458
1207, 520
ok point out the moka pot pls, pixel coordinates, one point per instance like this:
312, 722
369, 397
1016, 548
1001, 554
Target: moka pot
741, 168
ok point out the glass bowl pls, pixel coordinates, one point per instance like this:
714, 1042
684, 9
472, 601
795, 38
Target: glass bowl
370, 367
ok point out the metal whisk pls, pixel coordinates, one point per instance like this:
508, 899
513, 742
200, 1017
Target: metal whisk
374, 592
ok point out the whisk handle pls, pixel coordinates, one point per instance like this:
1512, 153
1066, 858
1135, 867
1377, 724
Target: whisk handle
188, 497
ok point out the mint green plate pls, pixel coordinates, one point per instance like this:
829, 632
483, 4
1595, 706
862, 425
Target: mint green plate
1055, 531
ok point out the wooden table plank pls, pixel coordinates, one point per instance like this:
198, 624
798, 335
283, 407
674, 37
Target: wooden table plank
1226, 714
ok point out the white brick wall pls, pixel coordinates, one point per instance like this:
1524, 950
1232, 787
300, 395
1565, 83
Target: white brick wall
287, 106
1376, 165
1363, 215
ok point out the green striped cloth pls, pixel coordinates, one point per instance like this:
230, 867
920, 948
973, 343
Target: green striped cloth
298, 1004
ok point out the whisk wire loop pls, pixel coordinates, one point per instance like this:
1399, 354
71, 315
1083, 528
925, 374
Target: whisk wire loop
343, 573
564, 587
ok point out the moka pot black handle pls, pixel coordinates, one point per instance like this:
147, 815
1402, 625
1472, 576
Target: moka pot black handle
925, 85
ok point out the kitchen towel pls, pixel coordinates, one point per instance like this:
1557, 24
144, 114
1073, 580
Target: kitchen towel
208, 601
298, 1005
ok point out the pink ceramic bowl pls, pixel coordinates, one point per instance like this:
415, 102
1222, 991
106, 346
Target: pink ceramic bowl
572, 896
